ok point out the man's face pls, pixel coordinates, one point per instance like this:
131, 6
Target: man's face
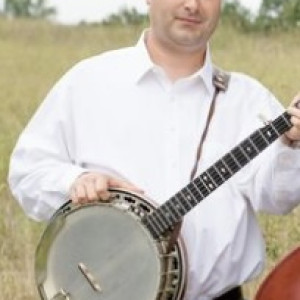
187, 24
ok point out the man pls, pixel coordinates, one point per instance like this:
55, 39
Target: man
132, 118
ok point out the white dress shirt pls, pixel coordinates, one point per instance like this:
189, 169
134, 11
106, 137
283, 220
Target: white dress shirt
119, 114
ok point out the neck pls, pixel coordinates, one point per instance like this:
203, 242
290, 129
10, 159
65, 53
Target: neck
177, 62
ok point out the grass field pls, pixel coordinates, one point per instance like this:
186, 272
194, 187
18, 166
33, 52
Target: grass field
33, 55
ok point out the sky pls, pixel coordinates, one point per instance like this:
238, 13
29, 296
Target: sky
74, 11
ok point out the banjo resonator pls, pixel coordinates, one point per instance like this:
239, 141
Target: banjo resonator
102, 251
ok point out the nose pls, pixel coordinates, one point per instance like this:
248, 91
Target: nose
191, 5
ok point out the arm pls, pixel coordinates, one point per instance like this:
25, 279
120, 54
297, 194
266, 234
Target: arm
41, 170
273, 185
44, 170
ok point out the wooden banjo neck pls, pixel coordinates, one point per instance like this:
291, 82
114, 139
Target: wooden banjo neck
171, 212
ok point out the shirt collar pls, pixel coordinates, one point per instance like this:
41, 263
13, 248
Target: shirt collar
206, 72
145, 64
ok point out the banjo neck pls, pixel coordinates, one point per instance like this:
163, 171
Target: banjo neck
172, 211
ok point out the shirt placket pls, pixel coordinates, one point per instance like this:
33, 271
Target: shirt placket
172, 178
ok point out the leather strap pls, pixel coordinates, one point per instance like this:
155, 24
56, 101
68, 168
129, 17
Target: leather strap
220, 82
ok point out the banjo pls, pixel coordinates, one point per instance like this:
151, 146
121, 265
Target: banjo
125, 249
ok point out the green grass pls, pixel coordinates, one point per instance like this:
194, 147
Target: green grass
33, 55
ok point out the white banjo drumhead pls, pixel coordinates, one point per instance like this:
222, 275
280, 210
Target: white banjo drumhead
97, 252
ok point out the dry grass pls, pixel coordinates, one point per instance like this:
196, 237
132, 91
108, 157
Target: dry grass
33, 55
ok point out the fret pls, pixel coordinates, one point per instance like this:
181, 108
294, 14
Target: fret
159, 220
286, 119
193, 187
190, 196
152, 226
216, 173
223, 169
235, 160
181, 203
258, 140
249, 148
172, 209
163, 216
264, 137
184, 201
172, 217
178, 206
250, 139
240, 156
156, 224
212, 178
208, 182
274, 129
269, 133
247, 157
281, 125
201, 186
231, 163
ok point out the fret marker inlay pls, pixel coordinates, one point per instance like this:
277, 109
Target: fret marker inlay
173, 210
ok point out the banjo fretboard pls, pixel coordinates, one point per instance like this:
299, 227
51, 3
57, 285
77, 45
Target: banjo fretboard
173, 210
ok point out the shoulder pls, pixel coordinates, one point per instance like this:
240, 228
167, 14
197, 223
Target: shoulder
110, 60
250, 88
244, 81
250, 94
256, 95
86, 75
110, 66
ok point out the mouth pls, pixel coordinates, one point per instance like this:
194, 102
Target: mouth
189, 20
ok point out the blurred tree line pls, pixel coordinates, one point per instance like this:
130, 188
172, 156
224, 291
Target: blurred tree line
126, 16
273, 14
27, 9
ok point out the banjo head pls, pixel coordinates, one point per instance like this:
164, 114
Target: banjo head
97, 252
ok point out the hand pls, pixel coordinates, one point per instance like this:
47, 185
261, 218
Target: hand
293, 134
93, 186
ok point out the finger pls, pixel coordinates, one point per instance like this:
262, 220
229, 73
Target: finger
296, 100
79, 194
73, 196
294, 133
294, 111
101, 187
295, 115
90, 189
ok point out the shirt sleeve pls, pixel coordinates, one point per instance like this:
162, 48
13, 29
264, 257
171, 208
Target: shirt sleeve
41, 169
271, 182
